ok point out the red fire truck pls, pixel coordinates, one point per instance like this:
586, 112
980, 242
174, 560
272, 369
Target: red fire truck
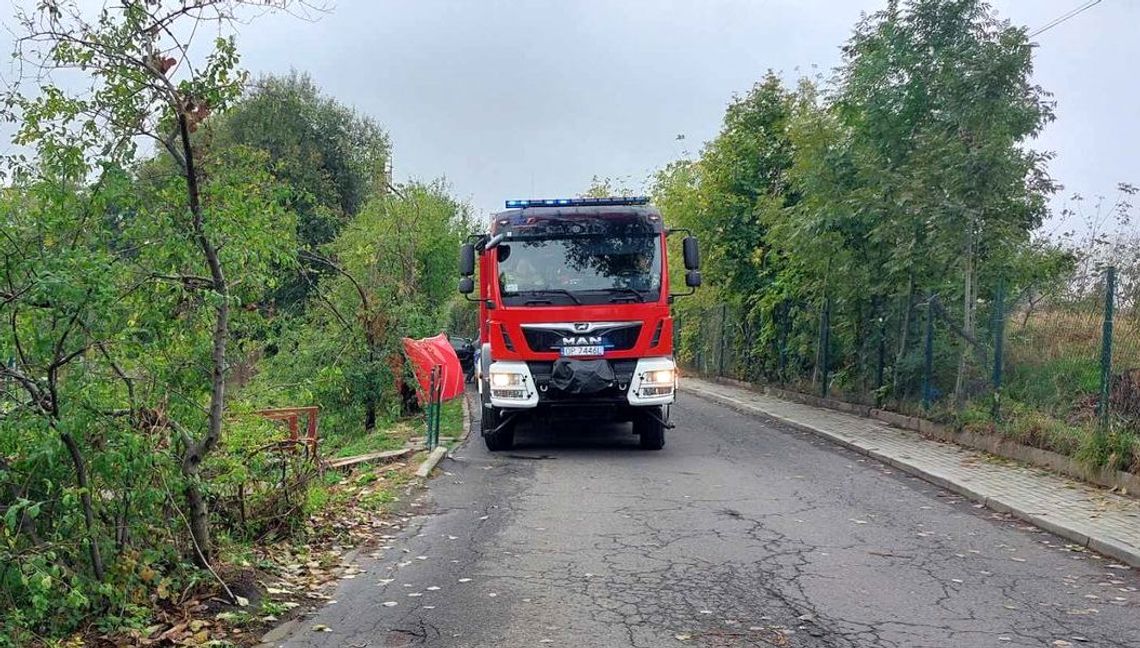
574, 315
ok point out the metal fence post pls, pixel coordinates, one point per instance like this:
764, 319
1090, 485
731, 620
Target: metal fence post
429, 411
825, 346
928, 353
699, 345
705, 345
1106, 348
438, 408
999, 339
784, 331
437, 412
881, 360
747, 350
723, 338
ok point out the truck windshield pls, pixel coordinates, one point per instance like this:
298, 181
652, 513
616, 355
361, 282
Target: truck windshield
584, 269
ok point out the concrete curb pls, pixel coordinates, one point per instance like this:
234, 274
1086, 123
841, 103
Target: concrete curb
432, 459
1125, 554
279, 633
383, 457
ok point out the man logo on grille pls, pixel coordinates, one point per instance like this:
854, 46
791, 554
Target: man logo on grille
581, 327
592, 340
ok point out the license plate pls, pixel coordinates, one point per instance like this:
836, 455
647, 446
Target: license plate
578, 351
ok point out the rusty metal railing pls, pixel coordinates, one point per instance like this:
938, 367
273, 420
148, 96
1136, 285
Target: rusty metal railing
292, 417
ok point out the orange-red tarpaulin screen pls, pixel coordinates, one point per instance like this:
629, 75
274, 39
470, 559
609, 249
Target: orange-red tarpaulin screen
429, 352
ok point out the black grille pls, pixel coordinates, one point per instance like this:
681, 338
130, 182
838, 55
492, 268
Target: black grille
623, 369
618, 338
541, 370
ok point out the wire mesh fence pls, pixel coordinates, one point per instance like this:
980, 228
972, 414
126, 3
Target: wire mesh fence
1057, 366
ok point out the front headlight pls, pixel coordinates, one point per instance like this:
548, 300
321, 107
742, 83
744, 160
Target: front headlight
506, 379
657, 382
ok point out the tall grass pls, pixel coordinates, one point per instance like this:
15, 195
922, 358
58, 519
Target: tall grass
1051, 389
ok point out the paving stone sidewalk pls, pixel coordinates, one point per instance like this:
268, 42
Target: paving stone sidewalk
1087, 515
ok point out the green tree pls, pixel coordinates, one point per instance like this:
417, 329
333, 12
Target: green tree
743, 169
194, 245
940, 104
909, 177
333, 158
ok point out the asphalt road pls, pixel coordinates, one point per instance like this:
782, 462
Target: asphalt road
739, 533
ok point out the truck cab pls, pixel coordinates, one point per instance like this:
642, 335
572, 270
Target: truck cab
574, 315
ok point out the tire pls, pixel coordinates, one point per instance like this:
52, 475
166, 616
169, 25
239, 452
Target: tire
649, 427
504, 439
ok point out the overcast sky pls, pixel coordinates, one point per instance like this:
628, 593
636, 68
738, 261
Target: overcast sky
530, 98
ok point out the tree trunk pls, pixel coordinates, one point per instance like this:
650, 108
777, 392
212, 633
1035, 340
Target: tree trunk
197, 451
371, 400
85, 499
369, 412
968, 305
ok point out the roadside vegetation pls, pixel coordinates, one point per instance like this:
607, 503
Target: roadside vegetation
841, 214
181, 247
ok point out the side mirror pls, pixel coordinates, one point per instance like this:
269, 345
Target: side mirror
693, 278
692, 255
466, 285
466, 260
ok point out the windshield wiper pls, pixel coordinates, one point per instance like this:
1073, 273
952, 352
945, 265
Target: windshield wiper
548, 291
640, 295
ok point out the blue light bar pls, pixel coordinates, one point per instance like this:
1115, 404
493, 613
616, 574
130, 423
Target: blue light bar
578, 202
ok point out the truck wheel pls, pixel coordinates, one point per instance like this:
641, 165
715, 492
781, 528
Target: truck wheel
504, 439
650, 429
